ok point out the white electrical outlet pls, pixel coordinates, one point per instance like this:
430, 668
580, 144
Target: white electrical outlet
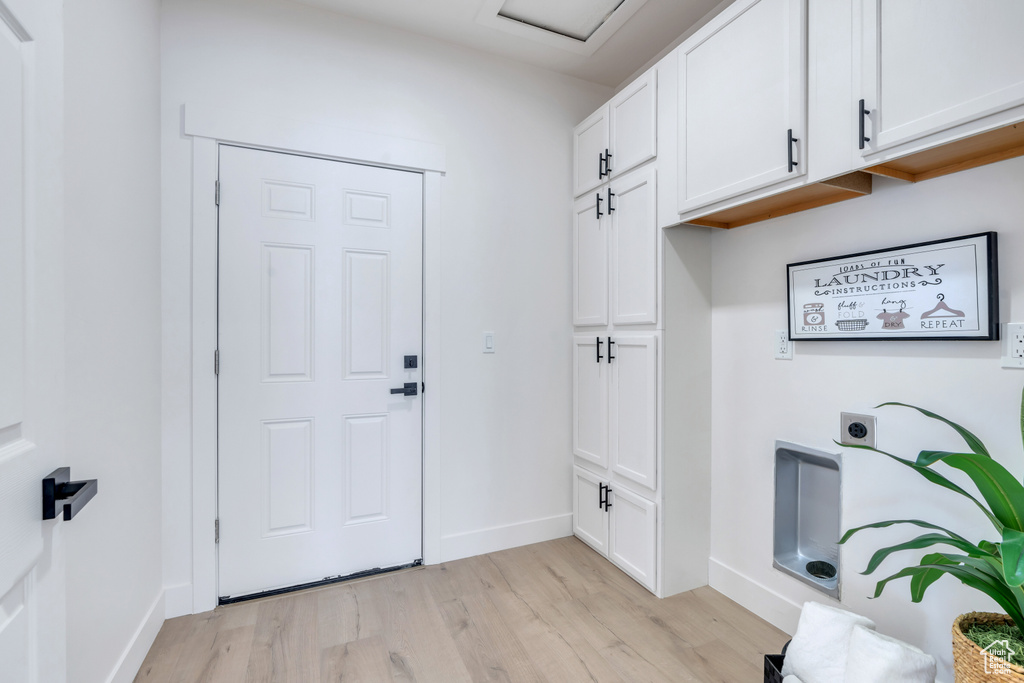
1013, 345
783, 346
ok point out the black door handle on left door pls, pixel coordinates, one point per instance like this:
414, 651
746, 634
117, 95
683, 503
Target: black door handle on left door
410, 389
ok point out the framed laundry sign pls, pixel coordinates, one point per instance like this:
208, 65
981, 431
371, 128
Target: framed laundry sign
946, 289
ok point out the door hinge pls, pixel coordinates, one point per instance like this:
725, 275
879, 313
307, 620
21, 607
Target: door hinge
216, 193
216, 361
216, 531
423, 387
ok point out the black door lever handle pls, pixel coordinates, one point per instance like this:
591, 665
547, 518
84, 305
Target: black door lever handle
410, 389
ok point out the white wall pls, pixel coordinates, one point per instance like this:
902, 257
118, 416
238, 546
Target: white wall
757, 399
505, 239
112, 356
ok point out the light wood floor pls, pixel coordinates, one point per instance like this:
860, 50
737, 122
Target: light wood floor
553, 611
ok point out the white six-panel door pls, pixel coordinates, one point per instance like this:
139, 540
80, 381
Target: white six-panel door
320, 302
32, 625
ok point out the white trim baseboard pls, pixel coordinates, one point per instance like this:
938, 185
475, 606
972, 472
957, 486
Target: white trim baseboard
138, 647
481, 541
177, 600
776, 609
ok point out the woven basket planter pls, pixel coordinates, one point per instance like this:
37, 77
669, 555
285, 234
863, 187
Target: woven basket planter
968, 658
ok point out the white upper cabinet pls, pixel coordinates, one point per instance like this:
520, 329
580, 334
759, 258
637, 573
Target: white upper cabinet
929, 65
615, 252
590, 141
633, 125
590, 259
634, 253
617, 137
742, 102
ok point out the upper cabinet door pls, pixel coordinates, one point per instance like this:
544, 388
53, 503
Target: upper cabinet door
633, 124
742, 99
929, 65
634, 254
590, 140
590, 259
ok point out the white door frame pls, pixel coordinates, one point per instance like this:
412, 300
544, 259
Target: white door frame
210, 127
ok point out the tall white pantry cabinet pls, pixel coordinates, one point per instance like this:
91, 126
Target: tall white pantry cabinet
619, 271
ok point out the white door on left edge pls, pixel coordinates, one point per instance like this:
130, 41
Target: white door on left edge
33, 626
320, 292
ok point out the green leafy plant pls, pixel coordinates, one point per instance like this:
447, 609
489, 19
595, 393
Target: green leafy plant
995, 568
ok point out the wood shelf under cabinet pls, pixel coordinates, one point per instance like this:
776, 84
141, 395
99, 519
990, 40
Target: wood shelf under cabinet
978, 150
849, 186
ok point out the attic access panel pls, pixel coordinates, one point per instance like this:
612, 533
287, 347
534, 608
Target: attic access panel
577, 19
579, 26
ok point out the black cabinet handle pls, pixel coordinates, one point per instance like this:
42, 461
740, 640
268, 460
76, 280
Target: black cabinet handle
60, 492
600, 494
860, 119
408, 389
599, 214
599, 356
792, 164
601, 164
607, 162
611, 356
610, 195
607, 502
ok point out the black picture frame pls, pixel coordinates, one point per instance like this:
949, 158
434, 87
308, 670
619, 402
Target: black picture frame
834, 298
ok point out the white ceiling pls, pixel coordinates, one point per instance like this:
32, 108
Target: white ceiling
656, 25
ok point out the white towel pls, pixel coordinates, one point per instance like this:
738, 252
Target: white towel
791, 679
874, 657
821, 644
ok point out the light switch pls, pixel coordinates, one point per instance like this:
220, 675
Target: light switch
488, 342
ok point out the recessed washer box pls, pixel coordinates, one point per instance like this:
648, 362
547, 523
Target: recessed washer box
808, 504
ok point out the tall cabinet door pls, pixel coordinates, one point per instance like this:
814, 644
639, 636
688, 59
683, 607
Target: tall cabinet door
590, 140
742, 89
633, 408
589, 519
927, 65
633, 117
590, 399
590, 260
632, 538
632, 211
